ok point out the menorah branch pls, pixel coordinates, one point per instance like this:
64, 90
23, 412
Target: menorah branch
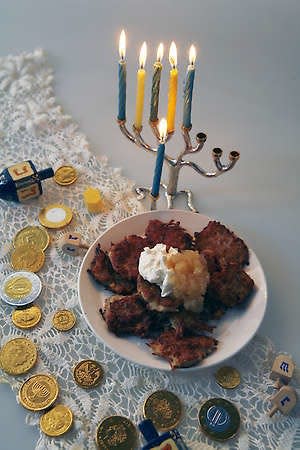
175, 164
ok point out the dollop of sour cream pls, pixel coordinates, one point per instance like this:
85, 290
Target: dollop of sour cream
152, 267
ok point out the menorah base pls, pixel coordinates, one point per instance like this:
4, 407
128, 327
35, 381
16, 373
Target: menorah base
142, 192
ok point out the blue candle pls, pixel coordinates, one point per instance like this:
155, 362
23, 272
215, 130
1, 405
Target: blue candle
188, 90
158, 169
122, 77
159, 158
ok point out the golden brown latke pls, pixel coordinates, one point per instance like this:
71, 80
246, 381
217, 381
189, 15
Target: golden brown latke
151, 293
182, 351
231, 286
128, 315
171, 234
124, 255
103, 272
221, 246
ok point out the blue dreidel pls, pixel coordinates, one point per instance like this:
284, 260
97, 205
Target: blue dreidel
22, 182
166, 441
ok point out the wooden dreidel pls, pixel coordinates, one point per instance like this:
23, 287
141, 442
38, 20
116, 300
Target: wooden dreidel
71, 244
284, 400
282, 370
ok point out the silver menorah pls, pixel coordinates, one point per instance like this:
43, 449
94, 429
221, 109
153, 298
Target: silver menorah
175, 165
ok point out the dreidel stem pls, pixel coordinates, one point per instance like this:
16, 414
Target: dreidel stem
273, 411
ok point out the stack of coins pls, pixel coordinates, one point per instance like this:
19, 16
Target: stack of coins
30, 244
38, 393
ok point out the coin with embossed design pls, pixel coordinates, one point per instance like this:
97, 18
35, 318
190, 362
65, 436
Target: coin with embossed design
38, 392
164, 409
27, 258
65, 175
219, 419
33, 236
88, 373
116, 433
27, 318
57, 421
228, 377
64, 320
20, 288
18, 356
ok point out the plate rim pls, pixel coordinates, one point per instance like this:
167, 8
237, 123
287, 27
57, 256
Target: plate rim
199, 366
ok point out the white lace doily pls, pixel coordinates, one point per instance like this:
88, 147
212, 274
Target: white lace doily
33, 126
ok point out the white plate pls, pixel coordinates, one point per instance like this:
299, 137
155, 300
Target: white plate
233, 331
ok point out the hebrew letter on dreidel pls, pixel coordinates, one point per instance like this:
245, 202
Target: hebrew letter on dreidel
282, 370
71, 243
284, 400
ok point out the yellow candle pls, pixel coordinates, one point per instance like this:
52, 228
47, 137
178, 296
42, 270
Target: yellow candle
140, 91
172, 96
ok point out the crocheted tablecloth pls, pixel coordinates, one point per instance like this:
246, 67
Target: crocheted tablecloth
33, 126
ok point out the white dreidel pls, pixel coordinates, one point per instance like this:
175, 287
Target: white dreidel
71, 243
284, 400
282, 370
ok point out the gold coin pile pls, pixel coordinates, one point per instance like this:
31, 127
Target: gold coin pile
29, 246
18, 356
39, 392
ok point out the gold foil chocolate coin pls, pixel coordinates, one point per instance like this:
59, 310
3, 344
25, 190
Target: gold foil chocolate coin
228, 377
27, 258
38, 392
20, 288
57, 421
164, 409
116, 433
88, 373
32, 236
55, 216
27, 318
18, 356
64, 320
65, 175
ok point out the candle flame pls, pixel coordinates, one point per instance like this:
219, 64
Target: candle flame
192, 55
173, 55
143, 55
162, 128
122, 45
160, 52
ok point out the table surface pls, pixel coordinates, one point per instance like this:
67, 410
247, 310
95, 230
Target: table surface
246, 97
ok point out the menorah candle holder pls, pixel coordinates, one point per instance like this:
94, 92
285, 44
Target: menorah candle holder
176, 164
